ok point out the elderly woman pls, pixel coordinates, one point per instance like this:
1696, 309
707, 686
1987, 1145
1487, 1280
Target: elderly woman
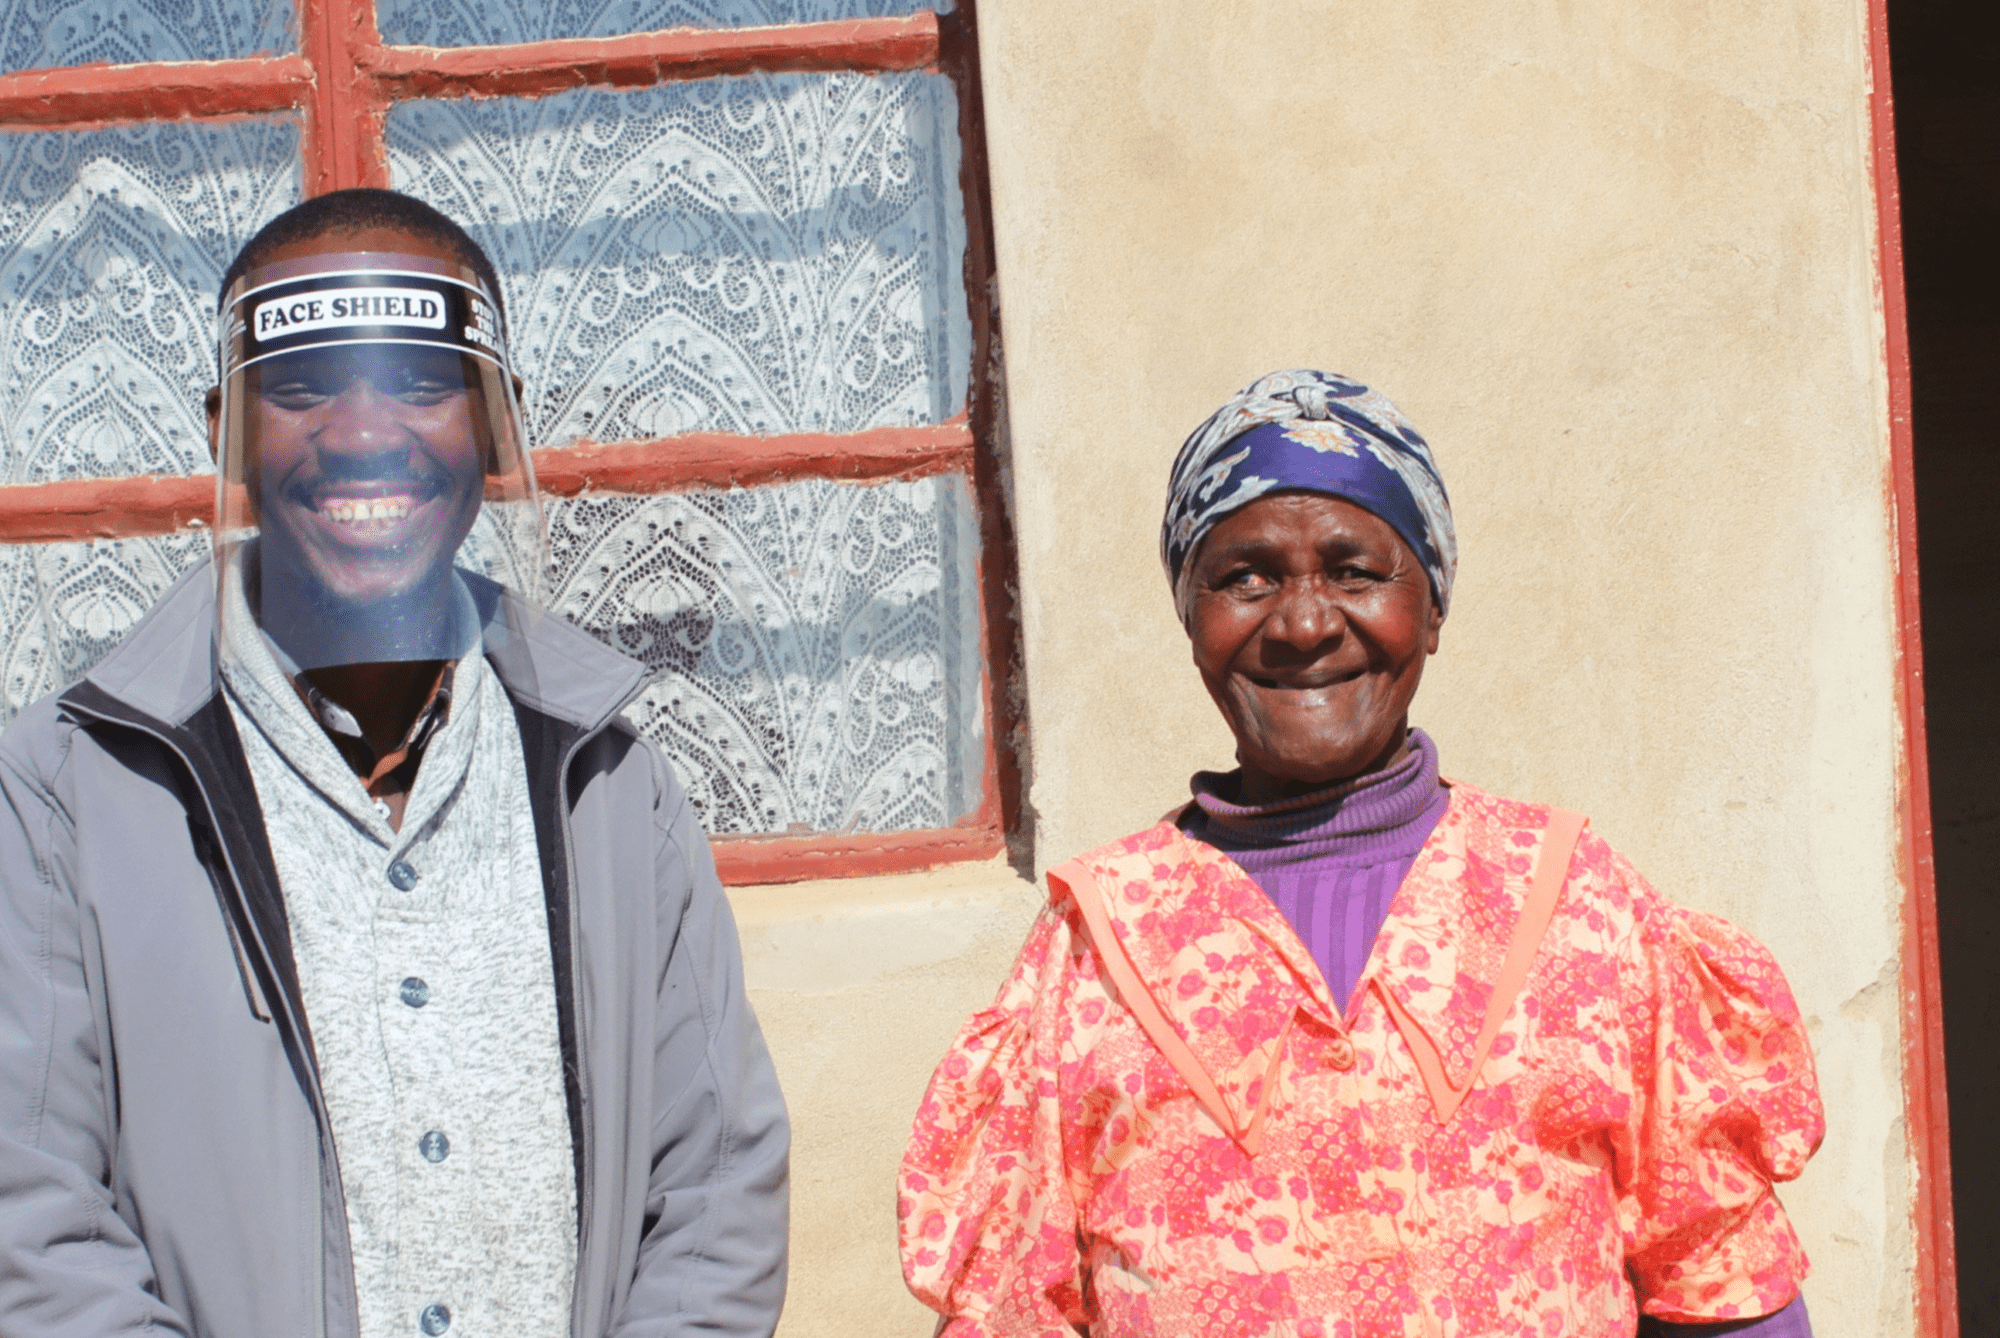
1343, 1048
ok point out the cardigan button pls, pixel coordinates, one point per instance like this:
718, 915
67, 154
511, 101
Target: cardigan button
1341, 1053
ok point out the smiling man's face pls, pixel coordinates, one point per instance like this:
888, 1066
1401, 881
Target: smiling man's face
1311, 620
365, 465
364, 462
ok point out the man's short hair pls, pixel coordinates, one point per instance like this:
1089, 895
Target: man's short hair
353, 210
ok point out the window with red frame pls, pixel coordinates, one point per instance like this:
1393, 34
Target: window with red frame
746, 266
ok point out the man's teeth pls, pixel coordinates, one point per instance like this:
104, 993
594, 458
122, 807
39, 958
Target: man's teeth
365, 509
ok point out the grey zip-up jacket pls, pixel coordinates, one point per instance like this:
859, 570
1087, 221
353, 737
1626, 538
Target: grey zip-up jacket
165, 1160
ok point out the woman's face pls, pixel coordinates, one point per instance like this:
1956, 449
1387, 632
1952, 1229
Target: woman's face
1311, 620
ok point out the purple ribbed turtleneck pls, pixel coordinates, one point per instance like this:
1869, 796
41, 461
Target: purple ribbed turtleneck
1331, 860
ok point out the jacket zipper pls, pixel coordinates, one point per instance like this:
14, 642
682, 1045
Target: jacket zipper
239, 910
585, 1134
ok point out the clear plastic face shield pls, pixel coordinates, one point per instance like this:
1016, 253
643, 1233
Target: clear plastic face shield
371, 462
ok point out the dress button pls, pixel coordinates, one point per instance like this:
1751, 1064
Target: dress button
434, 1145
435, 1319
402, 875
414, 992
1340, 1053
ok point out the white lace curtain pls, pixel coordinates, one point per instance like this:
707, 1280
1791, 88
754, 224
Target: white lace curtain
758, 255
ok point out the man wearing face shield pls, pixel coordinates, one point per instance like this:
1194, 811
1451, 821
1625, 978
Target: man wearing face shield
361, 972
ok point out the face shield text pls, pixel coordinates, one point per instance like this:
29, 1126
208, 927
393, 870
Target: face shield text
342, 308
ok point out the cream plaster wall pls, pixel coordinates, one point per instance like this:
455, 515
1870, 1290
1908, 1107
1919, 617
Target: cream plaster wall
1615, 257
859, 986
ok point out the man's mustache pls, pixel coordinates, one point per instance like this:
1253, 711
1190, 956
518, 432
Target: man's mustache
399, 466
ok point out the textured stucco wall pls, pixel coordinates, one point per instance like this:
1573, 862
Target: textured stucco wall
1615, 257
859, 986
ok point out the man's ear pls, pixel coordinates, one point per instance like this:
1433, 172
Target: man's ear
213, 402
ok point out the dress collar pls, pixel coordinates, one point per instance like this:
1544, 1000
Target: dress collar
1177, 907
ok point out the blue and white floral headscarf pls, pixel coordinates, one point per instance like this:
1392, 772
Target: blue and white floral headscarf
1316, 432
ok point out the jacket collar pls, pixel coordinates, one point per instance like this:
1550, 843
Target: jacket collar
1229, 972
166, 668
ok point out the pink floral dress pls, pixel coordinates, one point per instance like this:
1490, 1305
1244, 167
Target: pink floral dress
1554, 1101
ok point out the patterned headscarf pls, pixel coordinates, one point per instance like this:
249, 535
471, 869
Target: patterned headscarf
1318, 432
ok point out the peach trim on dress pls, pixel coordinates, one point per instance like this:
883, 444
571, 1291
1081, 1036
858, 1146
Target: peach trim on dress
1551, 872
1083, 887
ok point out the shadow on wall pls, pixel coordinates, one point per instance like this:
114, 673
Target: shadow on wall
1946, 56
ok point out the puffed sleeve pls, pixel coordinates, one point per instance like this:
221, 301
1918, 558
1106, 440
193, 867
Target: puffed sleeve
1725, 1104
987, 1219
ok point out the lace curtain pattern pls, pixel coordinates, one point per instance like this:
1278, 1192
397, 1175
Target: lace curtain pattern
483, 23
760, 255
39, 34
112, 243
757, 255
64, 606
816, 645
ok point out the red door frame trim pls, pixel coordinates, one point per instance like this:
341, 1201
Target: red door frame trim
1004, 676
720, 460
340, 144
1925, 1107
340, 35
794, 859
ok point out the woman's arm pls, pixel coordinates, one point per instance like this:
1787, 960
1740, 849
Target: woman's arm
986, 1218
1725, 1104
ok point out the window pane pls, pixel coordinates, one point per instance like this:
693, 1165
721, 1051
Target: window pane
760, 255
112, 243
817, 645
64, 606
38, 34
475, 23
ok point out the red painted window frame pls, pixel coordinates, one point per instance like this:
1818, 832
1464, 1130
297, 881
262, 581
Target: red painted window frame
341, 84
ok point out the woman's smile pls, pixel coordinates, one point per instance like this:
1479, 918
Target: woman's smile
1310, 622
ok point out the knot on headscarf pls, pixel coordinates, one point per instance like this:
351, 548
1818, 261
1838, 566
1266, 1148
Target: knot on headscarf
1311, 400
1313, 432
